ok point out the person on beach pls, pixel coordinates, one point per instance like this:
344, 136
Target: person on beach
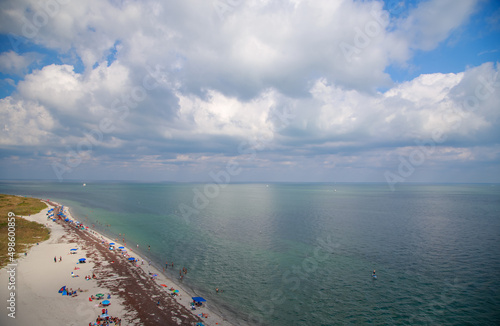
60, 258
55, 259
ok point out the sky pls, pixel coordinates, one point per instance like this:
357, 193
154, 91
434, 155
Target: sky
250, 91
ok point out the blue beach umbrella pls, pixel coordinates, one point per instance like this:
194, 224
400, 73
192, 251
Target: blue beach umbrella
198, 299
82, 260
106, 303
121, 247
131, 259
73, 249
111, 243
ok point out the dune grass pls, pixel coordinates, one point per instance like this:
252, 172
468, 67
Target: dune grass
27, 232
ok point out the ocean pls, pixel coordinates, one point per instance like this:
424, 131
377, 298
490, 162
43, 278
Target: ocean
303, 254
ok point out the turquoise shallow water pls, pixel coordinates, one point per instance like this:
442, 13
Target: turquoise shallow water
290, 254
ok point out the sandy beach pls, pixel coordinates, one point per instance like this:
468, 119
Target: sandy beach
136, 296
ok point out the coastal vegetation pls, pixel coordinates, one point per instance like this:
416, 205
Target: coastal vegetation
27, 232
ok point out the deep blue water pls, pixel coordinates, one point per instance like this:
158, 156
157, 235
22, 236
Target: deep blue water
302, 254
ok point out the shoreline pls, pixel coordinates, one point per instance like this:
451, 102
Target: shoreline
218, 317
133, 291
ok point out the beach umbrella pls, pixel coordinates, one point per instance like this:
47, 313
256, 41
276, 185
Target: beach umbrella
198, 299
155, 275
62, 289
82, 260
106, 303
111, 248
73, 249
121, 247
104, 315
164, 285
111, 243
131, 259
99, 295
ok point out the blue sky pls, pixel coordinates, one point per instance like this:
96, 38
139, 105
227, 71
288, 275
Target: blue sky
297, 90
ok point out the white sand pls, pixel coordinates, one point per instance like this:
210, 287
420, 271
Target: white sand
38, 280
